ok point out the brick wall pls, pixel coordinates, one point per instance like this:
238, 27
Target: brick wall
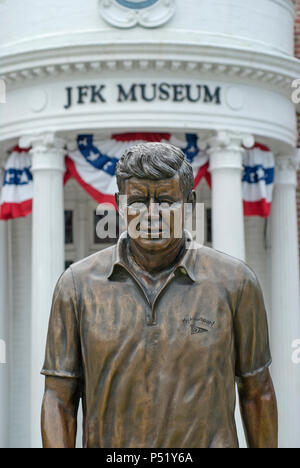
297, 53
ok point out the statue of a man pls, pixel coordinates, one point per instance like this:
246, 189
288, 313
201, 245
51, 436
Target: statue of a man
154, 332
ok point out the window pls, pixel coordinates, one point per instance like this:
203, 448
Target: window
209, 226
68, 263
69, 236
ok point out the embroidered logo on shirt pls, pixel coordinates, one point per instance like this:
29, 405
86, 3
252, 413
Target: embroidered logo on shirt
209, 323
197, 330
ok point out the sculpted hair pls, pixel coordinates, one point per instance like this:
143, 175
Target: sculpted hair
155, 161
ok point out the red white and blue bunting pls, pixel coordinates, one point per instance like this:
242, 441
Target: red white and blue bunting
17, 189
258, 181
93, 165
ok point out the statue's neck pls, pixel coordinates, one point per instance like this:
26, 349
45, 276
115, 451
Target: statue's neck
155, 262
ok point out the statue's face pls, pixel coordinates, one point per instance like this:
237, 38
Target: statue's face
155, 210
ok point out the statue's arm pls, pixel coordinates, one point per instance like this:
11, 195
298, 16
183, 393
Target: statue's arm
259, 410
59, 412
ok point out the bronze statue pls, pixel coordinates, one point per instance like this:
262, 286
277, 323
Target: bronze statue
152, 334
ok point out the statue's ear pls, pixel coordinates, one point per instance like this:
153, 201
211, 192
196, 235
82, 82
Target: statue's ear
120, 204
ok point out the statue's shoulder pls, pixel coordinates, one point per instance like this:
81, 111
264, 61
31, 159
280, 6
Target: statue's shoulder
98, 264
216, 264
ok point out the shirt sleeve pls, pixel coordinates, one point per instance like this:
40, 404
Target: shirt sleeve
251, 330
63, 355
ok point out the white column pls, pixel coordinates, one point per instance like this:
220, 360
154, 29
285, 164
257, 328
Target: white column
285, 314
226, 152
226, 167
19, 350
47, 254
4, 317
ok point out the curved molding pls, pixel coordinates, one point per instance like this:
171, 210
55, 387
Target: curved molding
283, 137
287, 4
206, 59
131, 13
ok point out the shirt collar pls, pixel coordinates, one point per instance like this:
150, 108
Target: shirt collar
186, 266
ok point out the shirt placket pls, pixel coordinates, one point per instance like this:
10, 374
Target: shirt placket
150, 309
153, 316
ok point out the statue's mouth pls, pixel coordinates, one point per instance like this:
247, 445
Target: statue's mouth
150, 233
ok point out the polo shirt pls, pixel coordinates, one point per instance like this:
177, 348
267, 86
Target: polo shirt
160, 374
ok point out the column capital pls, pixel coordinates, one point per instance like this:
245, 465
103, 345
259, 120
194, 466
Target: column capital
286, 168
229, 141
226, 150
47, 151
42, 142
47, 254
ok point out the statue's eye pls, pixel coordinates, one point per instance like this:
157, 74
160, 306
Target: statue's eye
137, 205
136, 200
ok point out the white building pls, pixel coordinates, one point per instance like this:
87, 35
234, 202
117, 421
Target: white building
52, 54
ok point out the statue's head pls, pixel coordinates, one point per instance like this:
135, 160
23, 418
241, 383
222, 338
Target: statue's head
156, 179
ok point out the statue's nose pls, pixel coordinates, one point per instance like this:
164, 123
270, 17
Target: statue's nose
153, 210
